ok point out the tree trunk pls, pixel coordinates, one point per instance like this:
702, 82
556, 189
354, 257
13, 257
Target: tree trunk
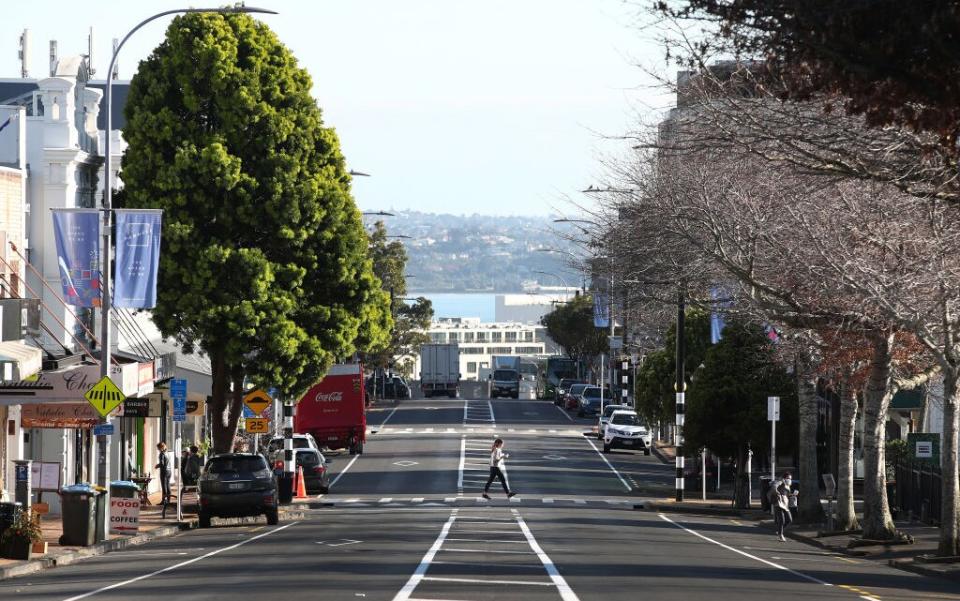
808, 504
877, 521
221, 436
741, 485
950, 513
846, 514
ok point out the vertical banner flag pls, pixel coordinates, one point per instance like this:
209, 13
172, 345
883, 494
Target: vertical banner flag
717, 322
601, 310
77, 236
138, 257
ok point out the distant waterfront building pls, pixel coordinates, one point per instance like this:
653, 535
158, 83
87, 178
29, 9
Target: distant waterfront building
479, 341
530, 307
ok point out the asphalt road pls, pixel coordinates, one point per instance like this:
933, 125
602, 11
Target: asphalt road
405, 523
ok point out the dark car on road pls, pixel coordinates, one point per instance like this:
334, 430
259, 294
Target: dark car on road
572, 398
316, 479
590, 400
561, 390
235, 485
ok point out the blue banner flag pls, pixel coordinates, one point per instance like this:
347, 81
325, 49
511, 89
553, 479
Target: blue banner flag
77, 236
138, 258
717, 321
601, 310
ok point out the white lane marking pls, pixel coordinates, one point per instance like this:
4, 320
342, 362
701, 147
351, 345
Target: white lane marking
486, 532
547, 500
466, 405
463, 455
493, 420
404, 593
178, 565
452, 550
482, 581
745, 554
566, 593
416, 500
386, 499
610, 465
564, 412
384, 422
344, 471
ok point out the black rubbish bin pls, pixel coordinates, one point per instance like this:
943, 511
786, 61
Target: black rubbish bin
764, 489
78, 511
123, 489
8, 515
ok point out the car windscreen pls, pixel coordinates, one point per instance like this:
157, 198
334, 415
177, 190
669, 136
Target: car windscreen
625, 419
577, 388
504, 374
609, 409
594, 393
308, 459
222, 465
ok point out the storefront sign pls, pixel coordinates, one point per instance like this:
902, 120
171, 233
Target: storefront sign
58, 415
145, 378
137, 407
164, 365
124, 515
67, 385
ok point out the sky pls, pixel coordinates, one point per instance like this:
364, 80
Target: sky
452, 106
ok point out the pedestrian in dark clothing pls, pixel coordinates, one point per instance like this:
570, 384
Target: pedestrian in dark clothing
192, 466
496, 469
163, 464
780, 503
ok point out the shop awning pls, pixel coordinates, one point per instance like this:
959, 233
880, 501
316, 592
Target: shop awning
19, 361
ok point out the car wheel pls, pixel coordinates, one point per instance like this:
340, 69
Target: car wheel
599, 435
273, 517
606, 448
359, 448
204, 519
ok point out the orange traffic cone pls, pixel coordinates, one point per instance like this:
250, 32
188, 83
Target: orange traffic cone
301, 486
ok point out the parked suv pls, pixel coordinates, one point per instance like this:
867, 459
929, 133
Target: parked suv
605, 416
590, 400
625, 431
237, 484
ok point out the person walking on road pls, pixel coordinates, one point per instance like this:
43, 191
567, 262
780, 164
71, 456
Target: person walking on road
780, 503
163, 464
496, 469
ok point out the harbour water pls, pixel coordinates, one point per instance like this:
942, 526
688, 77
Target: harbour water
452, 304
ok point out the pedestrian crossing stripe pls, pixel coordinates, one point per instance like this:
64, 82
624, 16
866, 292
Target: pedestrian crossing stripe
104, 396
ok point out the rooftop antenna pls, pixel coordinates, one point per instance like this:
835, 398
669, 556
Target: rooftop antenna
90, 68
116, 64
24, 54
53, 58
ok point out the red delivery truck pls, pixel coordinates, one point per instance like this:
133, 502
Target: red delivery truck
334, 410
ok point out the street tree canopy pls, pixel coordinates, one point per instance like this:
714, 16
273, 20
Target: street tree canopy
571, 326
264, 264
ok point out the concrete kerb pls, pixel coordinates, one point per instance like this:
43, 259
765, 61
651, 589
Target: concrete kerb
934, 570
42, 563
696, 509
659, 454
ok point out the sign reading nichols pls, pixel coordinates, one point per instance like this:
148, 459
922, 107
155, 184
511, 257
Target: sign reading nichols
67, 385
58, 415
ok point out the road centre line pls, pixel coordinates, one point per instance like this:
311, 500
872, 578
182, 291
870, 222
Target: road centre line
179, 565
404, 593
745, 554
384, 422
610, 465
344, 471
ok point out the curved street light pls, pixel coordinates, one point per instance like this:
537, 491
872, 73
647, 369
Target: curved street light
105, 302
562, 281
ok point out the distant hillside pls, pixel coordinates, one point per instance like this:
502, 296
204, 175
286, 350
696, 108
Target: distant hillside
480, 253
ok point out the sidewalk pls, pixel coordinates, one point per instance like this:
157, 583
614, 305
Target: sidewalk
152, 526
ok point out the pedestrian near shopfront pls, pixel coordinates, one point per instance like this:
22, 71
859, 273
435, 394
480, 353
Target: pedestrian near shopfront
780, 503
192, 466
496, 469
163, 464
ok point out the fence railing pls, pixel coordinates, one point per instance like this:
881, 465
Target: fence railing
919, 489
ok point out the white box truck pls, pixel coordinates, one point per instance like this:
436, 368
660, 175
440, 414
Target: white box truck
440, 370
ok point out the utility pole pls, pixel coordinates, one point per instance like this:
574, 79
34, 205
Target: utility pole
681, 389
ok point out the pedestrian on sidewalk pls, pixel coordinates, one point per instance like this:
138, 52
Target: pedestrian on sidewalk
496, 469
780, 503
163, 464
192, 466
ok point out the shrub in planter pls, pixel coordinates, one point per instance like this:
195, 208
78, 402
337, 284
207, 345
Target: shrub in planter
17, 541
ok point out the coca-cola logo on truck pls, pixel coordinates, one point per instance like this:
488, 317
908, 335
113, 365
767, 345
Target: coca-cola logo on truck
329, 397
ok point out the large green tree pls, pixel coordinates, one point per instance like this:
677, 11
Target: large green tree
410, 321
727, 401
264, 264
571, 326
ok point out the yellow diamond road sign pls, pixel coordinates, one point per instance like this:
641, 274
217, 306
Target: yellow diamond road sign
104, 396
257, 401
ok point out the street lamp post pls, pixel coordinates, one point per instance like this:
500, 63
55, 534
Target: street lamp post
105, 303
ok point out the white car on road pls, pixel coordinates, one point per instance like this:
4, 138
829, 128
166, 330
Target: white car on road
624, 431
605, 416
